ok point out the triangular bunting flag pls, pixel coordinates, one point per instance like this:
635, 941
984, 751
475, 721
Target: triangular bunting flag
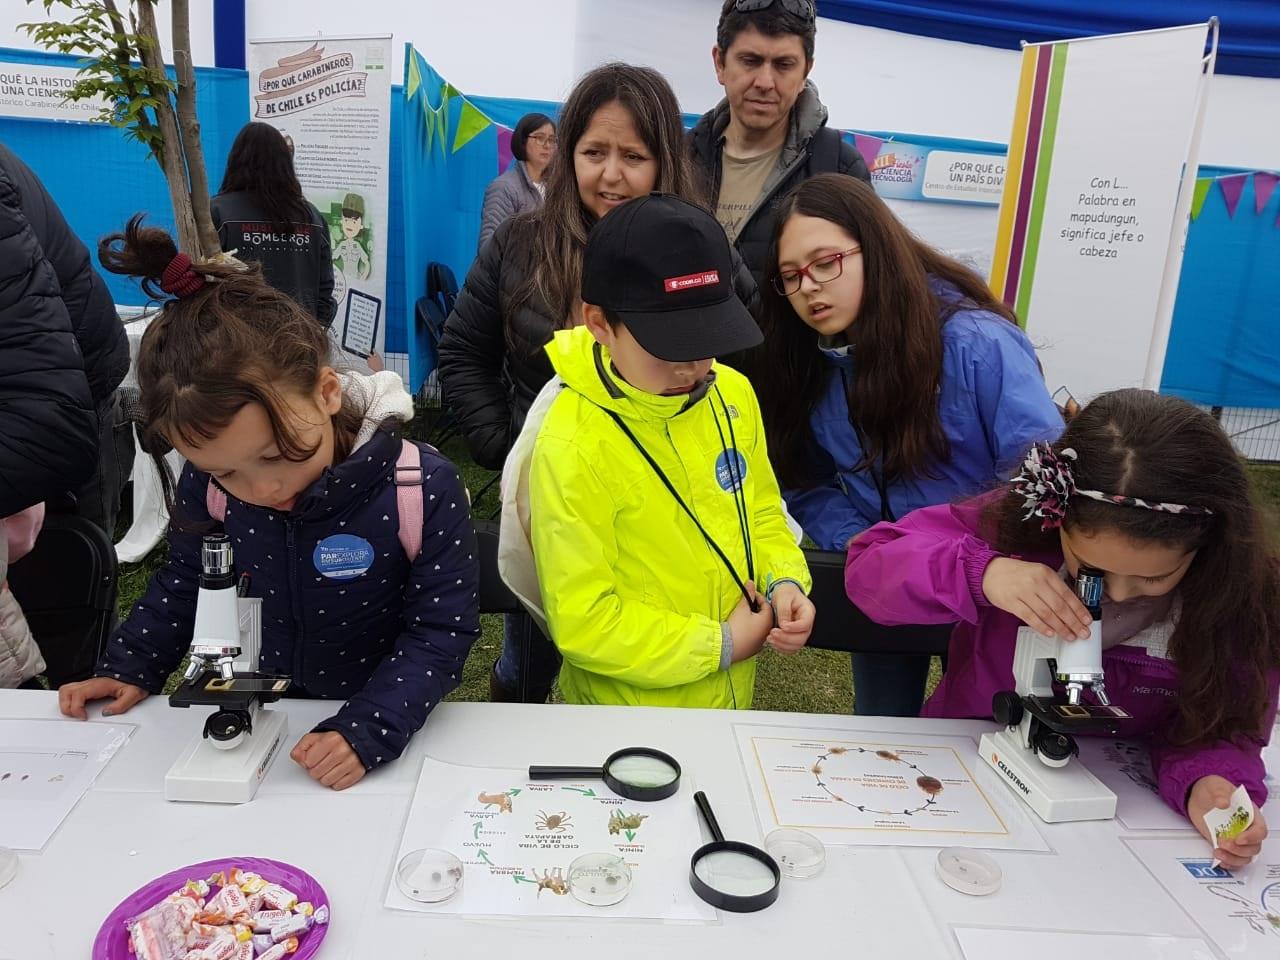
449, 91
868, 146
505, 156
1264, 184
471, 123
1232, 187
414, 80
1197, 198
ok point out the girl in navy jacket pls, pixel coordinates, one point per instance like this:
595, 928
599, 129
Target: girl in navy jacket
361, 600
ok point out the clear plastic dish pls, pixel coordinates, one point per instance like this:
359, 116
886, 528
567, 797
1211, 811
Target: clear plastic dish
429, 876
800, 855
969, 871
599, 879
8, 866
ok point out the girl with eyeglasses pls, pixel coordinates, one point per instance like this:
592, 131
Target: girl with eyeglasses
894, 380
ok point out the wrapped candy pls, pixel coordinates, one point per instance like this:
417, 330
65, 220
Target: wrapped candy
233, 915
296, 925
275, 897
158, 934
280, 950
264, 920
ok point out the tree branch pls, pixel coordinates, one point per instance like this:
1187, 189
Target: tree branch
189, 129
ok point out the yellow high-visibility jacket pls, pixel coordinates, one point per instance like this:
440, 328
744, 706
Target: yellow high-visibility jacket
634, 596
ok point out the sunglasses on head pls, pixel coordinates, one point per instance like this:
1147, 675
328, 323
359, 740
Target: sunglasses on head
797, 8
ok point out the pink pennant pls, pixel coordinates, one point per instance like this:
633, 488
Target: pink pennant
1264, 184
505, 156
1232, 187
868, 146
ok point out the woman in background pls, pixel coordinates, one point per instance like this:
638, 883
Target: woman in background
524, 185
261, 215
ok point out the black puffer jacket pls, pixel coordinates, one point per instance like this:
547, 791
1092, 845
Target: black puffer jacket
811, 148
88, 302
492, 364
48, 427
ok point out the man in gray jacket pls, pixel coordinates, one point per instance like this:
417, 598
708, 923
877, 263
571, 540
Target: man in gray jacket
770, 132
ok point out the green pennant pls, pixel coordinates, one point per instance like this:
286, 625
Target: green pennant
415, 76
1198, 197
471, 123
448, 92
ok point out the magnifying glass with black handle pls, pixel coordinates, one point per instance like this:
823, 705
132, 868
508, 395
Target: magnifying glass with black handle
635, 773
731, 875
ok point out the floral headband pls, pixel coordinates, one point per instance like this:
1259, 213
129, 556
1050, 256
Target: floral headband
1046, 484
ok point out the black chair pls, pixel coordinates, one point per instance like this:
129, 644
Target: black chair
840, 625
496, 597
67, 589
443, 285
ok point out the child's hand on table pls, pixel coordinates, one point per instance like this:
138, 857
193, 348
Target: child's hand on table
328, 758
73, 697
1214, 791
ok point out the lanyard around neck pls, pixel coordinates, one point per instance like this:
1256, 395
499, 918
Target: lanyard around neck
737, 479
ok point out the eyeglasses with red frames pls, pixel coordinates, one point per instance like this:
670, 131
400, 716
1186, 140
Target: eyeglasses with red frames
822, 270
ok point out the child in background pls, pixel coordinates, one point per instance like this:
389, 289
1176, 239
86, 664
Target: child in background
1149, 490
890, 379
300, 464
661, 546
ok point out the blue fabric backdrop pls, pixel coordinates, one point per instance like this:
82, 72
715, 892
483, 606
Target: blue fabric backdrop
1249, 43
1224, 348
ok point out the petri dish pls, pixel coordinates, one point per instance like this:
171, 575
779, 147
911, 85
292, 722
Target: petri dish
8, 866
968, 871
599, 879
428, 875
800, 855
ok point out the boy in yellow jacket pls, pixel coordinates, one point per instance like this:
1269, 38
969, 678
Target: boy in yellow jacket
663, 554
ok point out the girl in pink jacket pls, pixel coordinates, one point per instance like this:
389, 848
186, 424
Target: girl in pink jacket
1149, 490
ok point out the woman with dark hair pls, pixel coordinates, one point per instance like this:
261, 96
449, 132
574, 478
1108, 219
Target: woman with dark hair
261, 215
620, 137
522, 187
890, 379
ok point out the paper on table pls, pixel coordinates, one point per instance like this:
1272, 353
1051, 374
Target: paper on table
46, 766
1124, 766
1238, 910
876, 788
982, 943
516, 840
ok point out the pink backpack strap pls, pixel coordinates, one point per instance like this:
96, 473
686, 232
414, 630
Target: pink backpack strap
216, 502
409, 481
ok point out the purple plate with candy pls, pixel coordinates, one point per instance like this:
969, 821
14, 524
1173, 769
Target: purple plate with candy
112, 942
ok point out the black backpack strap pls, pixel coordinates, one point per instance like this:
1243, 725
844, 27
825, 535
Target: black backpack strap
824, 155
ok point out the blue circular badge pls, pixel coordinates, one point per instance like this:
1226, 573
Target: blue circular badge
730, 474
342, 556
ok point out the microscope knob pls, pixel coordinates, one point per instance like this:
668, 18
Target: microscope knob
1006, 707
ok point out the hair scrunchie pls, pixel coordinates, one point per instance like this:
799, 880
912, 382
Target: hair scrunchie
180, 278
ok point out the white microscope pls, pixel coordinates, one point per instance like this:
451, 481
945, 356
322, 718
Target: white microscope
241, 738
1033, 752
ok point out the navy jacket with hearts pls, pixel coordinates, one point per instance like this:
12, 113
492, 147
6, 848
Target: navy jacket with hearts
389, 642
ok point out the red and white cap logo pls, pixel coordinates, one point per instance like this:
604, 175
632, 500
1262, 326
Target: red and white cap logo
691, 280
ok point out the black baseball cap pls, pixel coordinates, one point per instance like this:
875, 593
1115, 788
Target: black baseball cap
663, 267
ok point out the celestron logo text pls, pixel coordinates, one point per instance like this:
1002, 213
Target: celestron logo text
1011, 775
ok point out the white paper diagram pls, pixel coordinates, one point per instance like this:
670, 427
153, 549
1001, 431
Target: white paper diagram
1125, 767
516, 840
871, 788
46, 766
1238, 910
983, 943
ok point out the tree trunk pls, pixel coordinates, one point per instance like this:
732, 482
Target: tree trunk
189, 129
175, 170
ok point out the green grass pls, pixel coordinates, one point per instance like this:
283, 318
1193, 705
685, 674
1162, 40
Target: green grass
812, 681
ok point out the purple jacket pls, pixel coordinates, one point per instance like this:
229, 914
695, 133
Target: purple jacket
928, 568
